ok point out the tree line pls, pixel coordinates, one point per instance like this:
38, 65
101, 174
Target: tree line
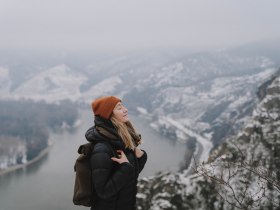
31, 121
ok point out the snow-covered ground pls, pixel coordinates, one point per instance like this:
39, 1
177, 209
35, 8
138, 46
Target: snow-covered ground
55, 84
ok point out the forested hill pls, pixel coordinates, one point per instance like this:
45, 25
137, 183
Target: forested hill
242, 173
25, 125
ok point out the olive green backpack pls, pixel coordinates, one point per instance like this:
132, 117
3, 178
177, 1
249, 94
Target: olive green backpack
84, 193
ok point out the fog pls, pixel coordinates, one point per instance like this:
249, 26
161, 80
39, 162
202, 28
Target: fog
128, 25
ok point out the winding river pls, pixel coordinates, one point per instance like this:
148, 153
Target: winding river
48, 183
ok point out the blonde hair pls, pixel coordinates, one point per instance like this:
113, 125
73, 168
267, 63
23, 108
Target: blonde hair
124, 130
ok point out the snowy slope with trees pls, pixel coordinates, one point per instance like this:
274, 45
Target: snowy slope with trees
198, 99
242, 173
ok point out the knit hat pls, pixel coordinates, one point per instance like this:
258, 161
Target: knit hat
104, 106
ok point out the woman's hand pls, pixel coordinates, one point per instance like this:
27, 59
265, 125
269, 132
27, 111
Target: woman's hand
122, 157
138, 152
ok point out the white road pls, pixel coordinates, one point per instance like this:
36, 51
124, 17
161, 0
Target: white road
204, 145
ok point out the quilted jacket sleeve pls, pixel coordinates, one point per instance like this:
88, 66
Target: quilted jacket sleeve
107, 179
142, 161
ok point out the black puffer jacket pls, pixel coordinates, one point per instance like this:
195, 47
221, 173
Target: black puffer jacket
115, 184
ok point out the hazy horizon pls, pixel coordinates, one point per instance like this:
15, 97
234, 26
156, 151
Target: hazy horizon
135, 25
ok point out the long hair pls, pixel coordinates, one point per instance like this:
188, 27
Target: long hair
127, 133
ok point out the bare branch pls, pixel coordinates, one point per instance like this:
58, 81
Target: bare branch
240, 198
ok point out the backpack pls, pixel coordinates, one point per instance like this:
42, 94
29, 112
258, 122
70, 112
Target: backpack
84, 193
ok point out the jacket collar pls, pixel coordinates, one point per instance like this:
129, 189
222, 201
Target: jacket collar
104, 130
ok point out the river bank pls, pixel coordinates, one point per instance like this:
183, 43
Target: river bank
53, 175
42, 154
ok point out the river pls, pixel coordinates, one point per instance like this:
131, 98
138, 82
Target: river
48, 183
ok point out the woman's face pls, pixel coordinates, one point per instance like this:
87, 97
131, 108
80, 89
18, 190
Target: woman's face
120, 112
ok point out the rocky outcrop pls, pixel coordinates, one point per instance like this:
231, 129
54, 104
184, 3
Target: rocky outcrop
242, 174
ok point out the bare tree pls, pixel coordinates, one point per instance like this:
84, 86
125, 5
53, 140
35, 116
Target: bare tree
241, 184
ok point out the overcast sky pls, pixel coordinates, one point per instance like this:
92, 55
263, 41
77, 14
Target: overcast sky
136, 24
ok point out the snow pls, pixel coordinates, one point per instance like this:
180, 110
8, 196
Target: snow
77, 123
274, 116
183, 99
141, 195
205, 142
59, 83
264, 75
240, 100
160, 204
155, 126
12, 149
266, 62
53, 84
226, 85
255, 149
142, 110
105, 87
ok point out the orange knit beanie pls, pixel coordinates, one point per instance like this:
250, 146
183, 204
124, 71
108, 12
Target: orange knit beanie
104, 106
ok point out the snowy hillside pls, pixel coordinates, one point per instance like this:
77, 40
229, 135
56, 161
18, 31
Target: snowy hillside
187, 101
13, 152
243, 169
199, 98
56, 84
53, 84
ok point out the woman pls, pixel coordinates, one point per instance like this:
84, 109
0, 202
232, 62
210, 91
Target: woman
115, 178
